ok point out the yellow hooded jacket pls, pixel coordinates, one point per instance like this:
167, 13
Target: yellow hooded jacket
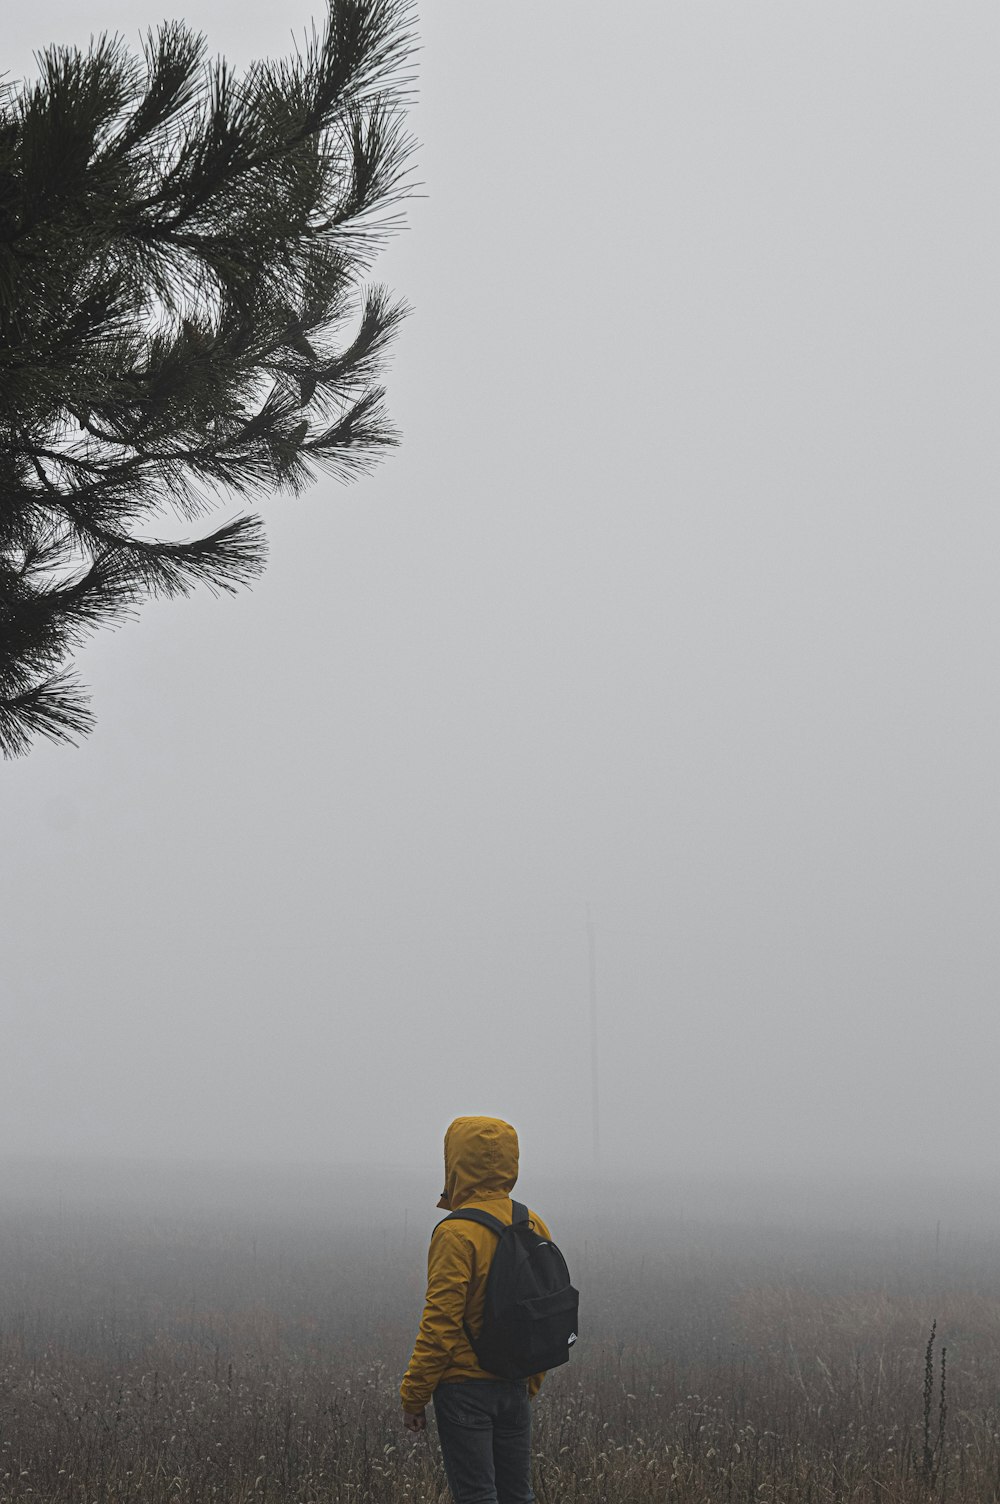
480, 1166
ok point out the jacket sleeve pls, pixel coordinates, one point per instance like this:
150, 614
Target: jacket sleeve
449, 1270
535, 1382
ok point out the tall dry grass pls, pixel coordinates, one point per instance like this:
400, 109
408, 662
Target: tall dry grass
210, 1360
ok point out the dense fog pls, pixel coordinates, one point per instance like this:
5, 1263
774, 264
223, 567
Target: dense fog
676, 607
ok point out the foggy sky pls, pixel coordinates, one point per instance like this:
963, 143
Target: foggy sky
679, 601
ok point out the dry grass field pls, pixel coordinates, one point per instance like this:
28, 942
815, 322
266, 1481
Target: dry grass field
172, 1355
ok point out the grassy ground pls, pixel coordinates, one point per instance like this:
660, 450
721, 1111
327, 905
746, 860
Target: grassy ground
219, 1357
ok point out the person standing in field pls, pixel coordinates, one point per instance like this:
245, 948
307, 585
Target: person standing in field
483, 1422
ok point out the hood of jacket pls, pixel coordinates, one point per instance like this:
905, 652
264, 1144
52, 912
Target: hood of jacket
480, 1160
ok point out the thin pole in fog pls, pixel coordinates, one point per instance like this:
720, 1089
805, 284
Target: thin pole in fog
594, 1098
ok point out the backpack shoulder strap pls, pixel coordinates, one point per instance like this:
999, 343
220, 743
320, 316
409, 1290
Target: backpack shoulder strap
520, 1213
473, 1214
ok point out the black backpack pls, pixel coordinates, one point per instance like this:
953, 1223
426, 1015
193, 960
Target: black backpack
530, 1310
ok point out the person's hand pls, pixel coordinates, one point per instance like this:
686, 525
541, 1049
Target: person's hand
415, 1420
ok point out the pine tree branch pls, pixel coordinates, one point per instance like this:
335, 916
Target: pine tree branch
55, 708
225, 560
180, 256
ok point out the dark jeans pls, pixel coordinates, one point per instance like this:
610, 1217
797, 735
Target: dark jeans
484, 1426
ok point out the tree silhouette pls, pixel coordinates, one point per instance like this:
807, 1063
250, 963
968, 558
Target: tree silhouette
182, 318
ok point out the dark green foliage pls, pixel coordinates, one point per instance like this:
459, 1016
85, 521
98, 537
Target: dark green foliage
180, 318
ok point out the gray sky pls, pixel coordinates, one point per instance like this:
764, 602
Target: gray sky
679, 600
